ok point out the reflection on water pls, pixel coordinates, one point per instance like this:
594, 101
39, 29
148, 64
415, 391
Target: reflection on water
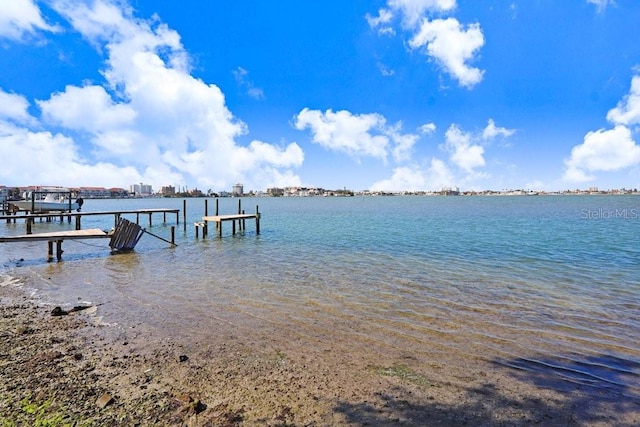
526, 281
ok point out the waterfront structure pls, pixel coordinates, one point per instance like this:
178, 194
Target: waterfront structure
238, 190
141, 190
168, 190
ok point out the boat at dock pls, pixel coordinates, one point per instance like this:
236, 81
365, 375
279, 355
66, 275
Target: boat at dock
47, 199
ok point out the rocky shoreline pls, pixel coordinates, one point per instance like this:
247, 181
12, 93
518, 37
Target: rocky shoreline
60, 368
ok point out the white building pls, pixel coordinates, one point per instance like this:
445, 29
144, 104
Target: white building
141, 190
238, 190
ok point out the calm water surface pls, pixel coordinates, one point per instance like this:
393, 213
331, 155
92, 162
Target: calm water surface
545, 284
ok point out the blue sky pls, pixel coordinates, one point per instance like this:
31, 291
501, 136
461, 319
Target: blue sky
381, 95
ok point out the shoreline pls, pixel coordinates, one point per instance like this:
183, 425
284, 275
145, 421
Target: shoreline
70, 368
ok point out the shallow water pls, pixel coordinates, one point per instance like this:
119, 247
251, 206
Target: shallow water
540, 284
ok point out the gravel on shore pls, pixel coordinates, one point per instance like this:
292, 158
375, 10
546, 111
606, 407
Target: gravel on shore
61, 368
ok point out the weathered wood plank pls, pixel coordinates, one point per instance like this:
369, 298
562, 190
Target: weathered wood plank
93, 233
125, 235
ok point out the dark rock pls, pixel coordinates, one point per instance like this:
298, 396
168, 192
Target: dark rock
58, 311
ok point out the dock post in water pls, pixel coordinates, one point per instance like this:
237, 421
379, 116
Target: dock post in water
257, 220
184, 213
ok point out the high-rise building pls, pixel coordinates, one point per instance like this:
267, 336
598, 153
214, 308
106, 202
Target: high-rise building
141, 189
238, 190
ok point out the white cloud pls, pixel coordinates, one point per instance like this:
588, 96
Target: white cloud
627, 112
403, 179
54, 159
88, 108
427, 128
403, 143
602, 150
384, 70
413, 178
19, 18
357, 134
463, 153
346, 132
381, 22
451, 46
439, 175
240, 75
601, 4
414, 10
14, 107
492, 131
611, 149
446, 41
150, 122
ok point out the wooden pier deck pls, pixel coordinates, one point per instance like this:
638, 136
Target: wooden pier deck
58, 237
241, 217
219, 219
30, 218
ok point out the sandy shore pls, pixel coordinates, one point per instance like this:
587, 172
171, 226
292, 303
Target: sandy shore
70, 370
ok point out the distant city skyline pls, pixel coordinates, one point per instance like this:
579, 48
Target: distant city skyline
386, 95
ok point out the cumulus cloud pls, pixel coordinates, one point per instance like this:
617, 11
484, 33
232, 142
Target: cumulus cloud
451, 46
359, 135
44, 152
427, 128
88, 108
445, 41
492, 131
414, 178
14, 108
404, 178
440, 175
150, 121
21, 18
413, 11
463, 166
466, 155
463, 152
608, 150
602, 150
627, 112
354, 134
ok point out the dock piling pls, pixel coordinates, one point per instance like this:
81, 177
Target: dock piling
184, 214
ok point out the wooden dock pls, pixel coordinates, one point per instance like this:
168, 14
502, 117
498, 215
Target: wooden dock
123, 238
125, 234
48, 217
240, 217
219, 219
57, 237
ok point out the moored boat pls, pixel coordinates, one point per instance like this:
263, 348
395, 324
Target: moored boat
47, 199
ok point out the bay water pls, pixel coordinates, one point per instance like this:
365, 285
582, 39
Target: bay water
547, 284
